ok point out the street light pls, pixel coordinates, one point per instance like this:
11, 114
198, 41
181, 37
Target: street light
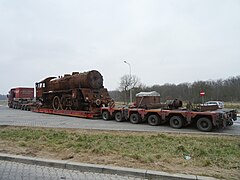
130, 79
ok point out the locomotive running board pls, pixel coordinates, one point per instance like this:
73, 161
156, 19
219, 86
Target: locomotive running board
82, 114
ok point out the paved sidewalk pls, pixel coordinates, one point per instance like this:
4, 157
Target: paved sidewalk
23, 168
10, 170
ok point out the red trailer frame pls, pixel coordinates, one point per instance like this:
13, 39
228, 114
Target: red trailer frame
177, 118
81, 114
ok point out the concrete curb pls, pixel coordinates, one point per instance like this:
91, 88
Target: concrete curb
84, 167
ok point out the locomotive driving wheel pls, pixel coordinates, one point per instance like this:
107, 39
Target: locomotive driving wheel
66, 102
56, 103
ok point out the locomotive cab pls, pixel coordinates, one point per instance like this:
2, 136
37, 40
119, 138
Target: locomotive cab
40, 87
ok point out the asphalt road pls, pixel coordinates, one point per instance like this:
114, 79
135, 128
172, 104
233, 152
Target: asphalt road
26, 118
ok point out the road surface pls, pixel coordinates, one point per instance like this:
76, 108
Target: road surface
26, 118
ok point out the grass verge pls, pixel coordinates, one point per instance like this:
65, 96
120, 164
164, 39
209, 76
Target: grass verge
232, 105
210, 155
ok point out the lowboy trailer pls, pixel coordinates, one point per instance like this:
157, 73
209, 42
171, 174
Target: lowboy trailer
177, 118
73, 113
149, 109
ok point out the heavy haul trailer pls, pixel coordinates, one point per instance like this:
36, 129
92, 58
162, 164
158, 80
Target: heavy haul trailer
83, 95
205, 118
178, 118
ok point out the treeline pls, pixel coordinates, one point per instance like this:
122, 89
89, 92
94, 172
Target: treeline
227, 90
3, 97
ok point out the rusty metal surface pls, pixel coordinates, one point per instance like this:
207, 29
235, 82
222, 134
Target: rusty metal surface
208, 107
78, 91
91, 79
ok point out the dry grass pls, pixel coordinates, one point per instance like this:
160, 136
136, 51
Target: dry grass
210, 155
232, 105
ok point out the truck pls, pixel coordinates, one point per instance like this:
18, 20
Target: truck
76, 94
20, 98
83, 95
149, 109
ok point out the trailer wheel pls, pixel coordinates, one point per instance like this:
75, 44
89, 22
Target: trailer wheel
118, 116
176, 122
106, 115
204, 124
154, 120
229, 123
135, 118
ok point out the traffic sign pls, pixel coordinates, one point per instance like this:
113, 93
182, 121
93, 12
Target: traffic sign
202, 93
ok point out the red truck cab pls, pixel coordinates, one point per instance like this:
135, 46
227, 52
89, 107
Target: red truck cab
20, 96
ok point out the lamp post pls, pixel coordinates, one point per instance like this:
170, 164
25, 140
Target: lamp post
130, 79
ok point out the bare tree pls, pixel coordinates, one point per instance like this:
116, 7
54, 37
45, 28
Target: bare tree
221, 89
128, 82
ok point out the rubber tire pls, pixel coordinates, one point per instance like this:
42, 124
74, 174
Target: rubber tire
230, 123
135, 118
154, 120
118, 116
105, 115
176, 122
204, 124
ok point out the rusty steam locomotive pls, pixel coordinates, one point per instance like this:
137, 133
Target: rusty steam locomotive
78, 91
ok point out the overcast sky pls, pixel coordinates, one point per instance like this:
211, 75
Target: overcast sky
165, 41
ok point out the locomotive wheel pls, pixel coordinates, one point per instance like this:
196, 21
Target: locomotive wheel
106, 115
176, 122
66, 102
119, 117
204, 124
154, 120
56, 103
135, 118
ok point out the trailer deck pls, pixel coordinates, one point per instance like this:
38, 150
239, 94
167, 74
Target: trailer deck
73, 113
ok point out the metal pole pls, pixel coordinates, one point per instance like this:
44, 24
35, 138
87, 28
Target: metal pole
130, 79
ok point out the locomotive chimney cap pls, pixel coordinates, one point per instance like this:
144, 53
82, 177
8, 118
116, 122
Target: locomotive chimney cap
73, 73
66, 75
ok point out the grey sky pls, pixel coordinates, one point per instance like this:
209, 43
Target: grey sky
165, 41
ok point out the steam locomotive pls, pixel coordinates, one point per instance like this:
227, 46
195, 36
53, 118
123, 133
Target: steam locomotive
76, 91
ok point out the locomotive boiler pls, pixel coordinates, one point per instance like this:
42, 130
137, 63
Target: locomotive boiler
76, 91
